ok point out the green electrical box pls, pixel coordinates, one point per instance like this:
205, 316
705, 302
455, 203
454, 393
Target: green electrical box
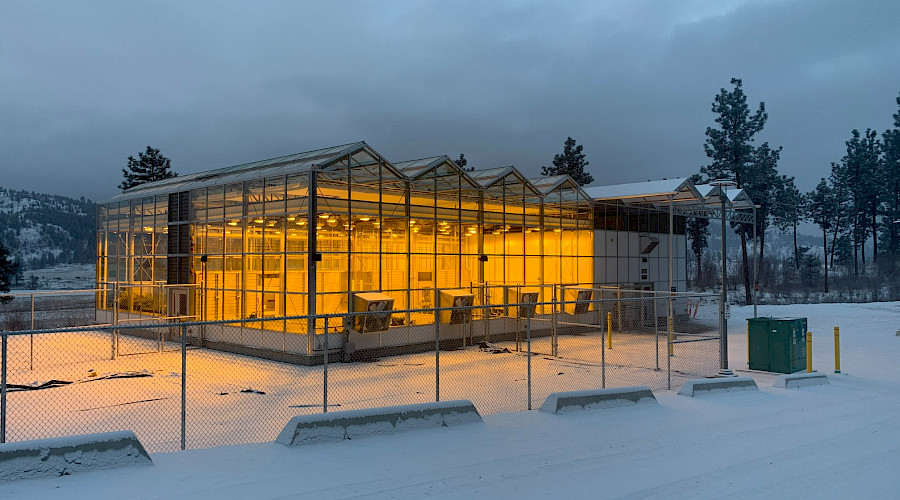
777, 344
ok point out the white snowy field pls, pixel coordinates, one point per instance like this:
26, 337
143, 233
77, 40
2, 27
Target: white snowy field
834, 441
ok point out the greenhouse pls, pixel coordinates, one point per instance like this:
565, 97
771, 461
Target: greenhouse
320, 232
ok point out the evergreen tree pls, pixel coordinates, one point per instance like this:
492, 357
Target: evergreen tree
8, 269
789, 211
730, 147
821, 208
842, 208
571, 162
697, 229
148, 167
461, 162
890, 184
858, 171
762, 184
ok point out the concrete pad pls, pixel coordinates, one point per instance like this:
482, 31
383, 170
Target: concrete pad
713, 385
803, 379
354, 424
68, 455
560, 402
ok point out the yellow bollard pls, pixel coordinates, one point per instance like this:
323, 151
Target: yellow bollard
837, 349
808, 352
671, 337
609, 330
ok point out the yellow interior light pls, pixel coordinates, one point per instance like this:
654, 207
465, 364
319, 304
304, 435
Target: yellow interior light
365, 219
323, 216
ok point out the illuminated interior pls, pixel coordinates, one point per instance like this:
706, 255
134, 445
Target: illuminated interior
238, 237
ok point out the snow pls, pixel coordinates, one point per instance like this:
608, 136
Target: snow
796, 380
355, 424
70, 454
713, 386
828, 441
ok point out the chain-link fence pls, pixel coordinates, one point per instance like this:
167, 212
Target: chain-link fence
189, 384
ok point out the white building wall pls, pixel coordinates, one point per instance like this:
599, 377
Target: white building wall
618, 261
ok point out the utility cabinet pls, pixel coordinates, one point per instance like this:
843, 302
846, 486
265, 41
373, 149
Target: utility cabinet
777, 344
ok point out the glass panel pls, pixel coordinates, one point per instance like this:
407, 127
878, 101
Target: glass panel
234, 201
215, 202
215, 242
365, 231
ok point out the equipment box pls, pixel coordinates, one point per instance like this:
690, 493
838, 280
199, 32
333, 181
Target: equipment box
777, 344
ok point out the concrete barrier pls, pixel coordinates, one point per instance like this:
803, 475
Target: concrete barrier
794, 380
68, 455
354, 424
560, 402
712, 385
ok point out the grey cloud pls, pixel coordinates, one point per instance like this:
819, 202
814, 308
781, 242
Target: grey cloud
214, 83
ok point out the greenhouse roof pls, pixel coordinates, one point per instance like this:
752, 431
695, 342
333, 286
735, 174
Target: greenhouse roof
647, 192
273, 166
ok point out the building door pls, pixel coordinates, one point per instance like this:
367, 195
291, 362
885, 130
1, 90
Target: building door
178, 304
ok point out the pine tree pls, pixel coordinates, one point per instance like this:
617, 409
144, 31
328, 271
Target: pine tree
148, 167
8, 270
697, 229
461, 162
858, 170
890, 184
788, 211
571, 162
730, 147
821, 208
762, 183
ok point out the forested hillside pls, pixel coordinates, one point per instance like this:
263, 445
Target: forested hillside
42, 230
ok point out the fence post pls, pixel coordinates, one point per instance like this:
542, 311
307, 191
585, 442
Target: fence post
669, 363
114, 331
554, 345
602, 352
325, 369
183, 384
656, 328
528, 340
437, 346
3, 390
31, 338
487, 312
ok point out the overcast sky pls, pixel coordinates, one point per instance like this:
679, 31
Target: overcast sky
86, 84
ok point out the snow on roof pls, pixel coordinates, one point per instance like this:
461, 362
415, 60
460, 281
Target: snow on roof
649, 191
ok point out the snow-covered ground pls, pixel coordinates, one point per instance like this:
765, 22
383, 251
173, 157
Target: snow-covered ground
61, 277
833, 441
